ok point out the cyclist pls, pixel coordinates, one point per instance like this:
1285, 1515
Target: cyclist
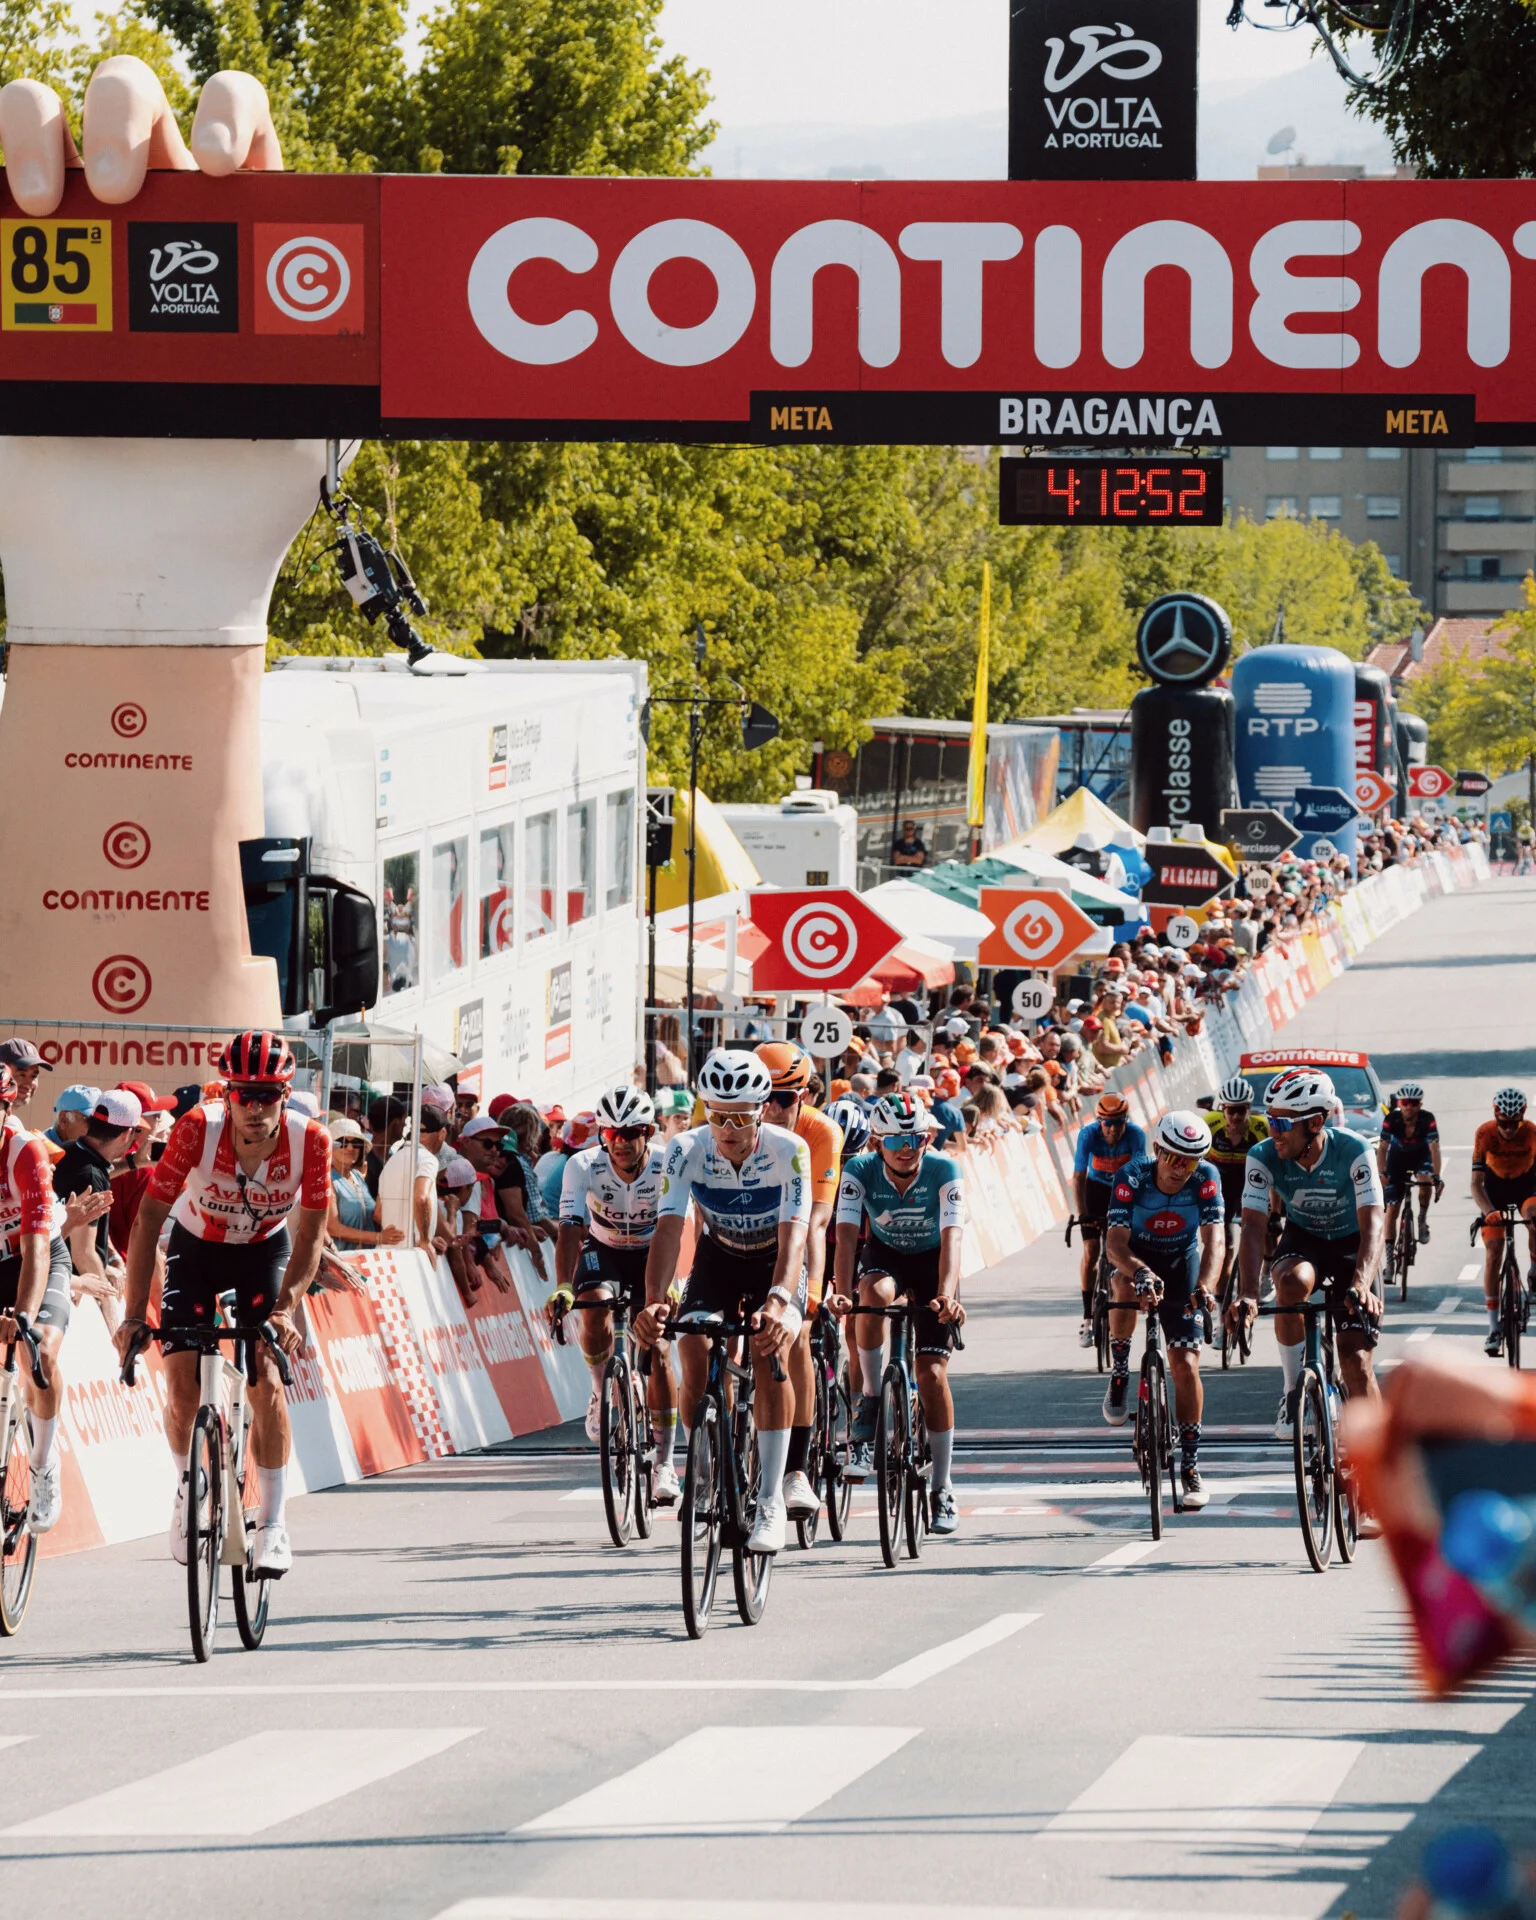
1410, 1143
233, 1172
750, 1184
1327, 1178
1241, 1128
1166, 1237
608, 1197
1503, 1175
790, 1070
914, 1203
35, 1280
1104, 1146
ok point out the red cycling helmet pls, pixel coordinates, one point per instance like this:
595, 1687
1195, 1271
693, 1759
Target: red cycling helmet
257, 1057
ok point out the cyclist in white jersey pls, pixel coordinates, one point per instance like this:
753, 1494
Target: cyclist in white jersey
608, 1198
750, 1186
232, 1174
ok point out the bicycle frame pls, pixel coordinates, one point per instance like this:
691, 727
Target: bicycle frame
1514, 1299
1337, 1511
627, 1509
18, 1551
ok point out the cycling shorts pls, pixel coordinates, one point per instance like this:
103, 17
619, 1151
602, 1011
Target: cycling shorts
1403, 1167
732, 1283
198, 1271
1334, 1263
54, 1312
1178, 1268
917, 1276
1097, 1195
622, 1268
1516, 1192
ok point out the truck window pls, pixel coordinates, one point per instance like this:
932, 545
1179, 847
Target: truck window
497, 918
619, 814
539, 874
398, 917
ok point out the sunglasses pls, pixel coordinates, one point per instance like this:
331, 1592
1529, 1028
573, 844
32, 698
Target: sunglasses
256, 1096
782, 1099
627, 1133
902, 1142
1279, 1124
1180, 1159
732, 1122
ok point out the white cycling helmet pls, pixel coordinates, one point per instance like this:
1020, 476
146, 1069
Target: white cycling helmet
1509, 1103
1300, 1091
734, 1078
626, 1107
1236, 1092
1183, 1132
900, 1113
854, 1121
1410, 1090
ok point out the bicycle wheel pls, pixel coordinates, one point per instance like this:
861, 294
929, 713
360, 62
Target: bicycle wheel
19, 1539
1312, 1447
616, 1443
645, 1460
1166, 1443
916, 1511
750, 1572
703, 1499
1224, 1300
1101, 1328
252, 1597
1149, 1400
815, 1469
1346, 1508
839, 1488
891, 1460
205, 1513
1514, 1308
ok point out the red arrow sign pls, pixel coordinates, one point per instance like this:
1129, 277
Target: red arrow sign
1429, 783
1031, 927
818, 938
1372, 790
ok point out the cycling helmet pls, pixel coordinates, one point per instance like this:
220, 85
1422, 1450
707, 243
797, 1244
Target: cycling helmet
1113, 1106
1183, 1132
1509, 1103
789, 1066
1236, 1092
257, 1057
1410, 1090
625, 1107
1301, 1091
899, 1113
9, 1085
854, 1121
732, 1077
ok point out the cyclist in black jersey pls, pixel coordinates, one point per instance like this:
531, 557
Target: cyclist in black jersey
1409, 1149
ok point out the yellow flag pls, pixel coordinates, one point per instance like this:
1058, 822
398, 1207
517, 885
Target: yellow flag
976, 811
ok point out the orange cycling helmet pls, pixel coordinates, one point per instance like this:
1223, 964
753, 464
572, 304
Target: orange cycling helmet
789, 1066
1113, 1106
257, 1057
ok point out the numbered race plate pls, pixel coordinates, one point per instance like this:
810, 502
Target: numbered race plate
825, 1032
1031, 998
1181, 931
58, 276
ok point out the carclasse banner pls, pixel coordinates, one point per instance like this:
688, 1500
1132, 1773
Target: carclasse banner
1014, 312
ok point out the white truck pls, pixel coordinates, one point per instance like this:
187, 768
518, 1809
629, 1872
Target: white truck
810, 839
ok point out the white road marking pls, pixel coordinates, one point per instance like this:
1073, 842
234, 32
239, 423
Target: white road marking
740, 1780
1420, 1333
1173, 1791
533, 1907
950, 1653
1472, 1271
583, 1493
248, 1786
1448, 1306
1125, 1556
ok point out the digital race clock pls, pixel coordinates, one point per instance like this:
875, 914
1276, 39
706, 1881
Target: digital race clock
1111, 493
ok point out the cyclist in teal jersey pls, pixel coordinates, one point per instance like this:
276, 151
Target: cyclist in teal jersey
914, 1202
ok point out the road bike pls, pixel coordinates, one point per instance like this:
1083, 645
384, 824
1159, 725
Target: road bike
1152, 1429
20, 1542
903, 1455
626, 1448
826, 1461
1240, 1342
221, 1490
1326, 1499
720, 1481
1405, 1242
1514, 1295
1099, 1311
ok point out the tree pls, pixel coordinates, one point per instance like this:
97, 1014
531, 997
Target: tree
1487, 717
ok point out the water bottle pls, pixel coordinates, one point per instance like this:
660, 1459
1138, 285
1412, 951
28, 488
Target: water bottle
1471, 1877
1491, 1540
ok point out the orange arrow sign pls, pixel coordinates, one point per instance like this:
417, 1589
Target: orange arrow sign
1372, 790
1031, 927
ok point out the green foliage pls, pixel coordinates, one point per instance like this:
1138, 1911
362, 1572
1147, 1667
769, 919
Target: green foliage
1484, 716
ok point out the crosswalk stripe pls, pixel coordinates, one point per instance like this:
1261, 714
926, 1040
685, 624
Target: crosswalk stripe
737, 1780
1125, 1556
537, 1907
950, 1653
248, 1786
1178, 1791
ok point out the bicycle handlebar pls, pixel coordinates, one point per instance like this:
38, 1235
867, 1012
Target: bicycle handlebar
205, 1340
1509, 1214
710, 1329
906, 1310
29, 1340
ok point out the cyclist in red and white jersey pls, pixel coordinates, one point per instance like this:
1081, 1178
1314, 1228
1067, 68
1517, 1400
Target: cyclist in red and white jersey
232, 1175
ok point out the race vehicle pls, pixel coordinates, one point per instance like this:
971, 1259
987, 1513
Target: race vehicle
1352, 1074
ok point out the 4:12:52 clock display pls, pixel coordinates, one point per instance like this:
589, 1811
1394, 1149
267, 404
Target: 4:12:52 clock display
1053, 492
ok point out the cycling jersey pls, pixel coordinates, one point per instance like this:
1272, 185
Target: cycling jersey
1325, 1199
1224, 1155
619, 1213
27, 1202
1102, 1159
907, 1221
1508, 1159
1164, 1222
1413, 1146
741, 1208
216, 1201
824, 1140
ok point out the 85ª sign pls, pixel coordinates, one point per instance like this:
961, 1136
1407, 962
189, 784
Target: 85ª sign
57, 276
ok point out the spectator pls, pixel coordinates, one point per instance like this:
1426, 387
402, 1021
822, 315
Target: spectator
947, 1111
549, 1169
667, 1052
408, 1182
86, 1167
71, 1114
26, 1063
465, 1106
129, 1179
913, 1057
386, 1123
907, 849
354, 1210
994, 1117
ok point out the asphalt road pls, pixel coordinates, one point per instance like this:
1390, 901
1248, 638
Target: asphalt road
467, 1696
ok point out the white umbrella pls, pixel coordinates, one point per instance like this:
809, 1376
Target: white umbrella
915, 910
1045, 866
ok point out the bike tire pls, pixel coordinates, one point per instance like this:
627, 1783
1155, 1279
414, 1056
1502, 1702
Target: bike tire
645, 1460
807, 1525
917, 1506
205, 1529
839, 1488
1101, 1330
1407, 1252
891, 1462
701, 1514
1148, 1415
20, 1542
1168, 1445
1312, 1454
1346, 1510
252, 1597
750, 1572
616, 1445
1514, 1313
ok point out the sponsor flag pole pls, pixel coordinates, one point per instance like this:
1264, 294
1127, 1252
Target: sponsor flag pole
976, 811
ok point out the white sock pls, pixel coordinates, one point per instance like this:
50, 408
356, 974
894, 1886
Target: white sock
597, 1368
870, 1370
772, 1453
1290, 1364
664, 1436
1495, 1320
943, 1445
273, 1482
183, 1466
44, 1433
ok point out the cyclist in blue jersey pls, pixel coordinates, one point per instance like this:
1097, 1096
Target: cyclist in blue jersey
1167, 1234
1327, 1179
1103, 1147
913, 1201
750, 1187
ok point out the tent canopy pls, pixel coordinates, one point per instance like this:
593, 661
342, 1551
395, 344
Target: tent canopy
932, 913
722, 862
961, 882
1087, 890
1081, 812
